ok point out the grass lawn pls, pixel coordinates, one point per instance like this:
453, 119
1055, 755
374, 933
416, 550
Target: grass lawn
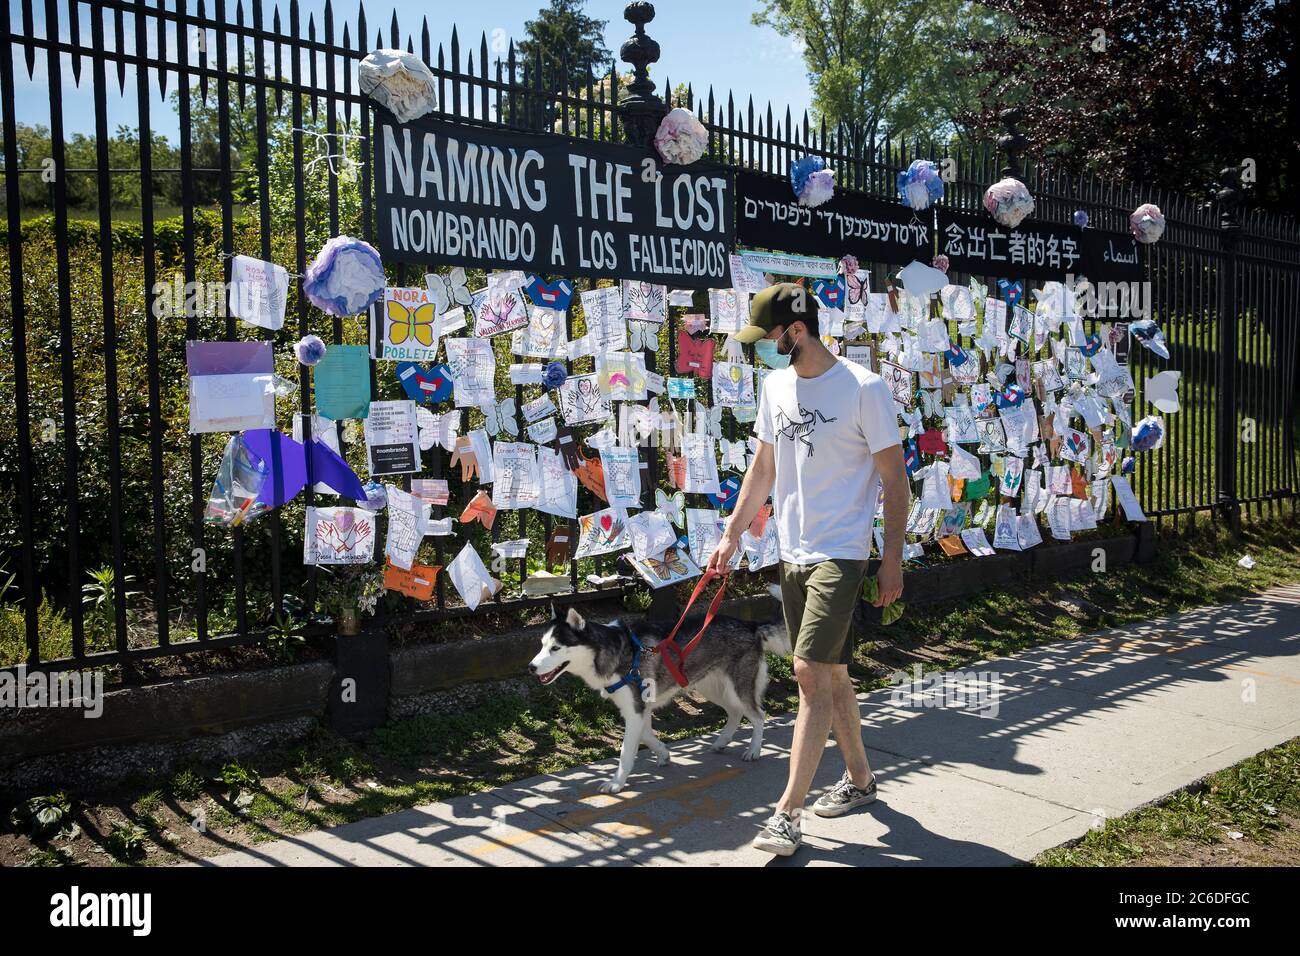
324, 780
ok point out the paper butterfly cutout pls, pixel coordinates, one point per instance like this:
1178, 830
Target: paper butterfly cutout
728, 492
1011, 292
449, 290
549, 295
480, 509
438, 429
707, 421
831, 293
411, 325
672, 507
735, 455
859, 285
932, 403
425, 385
694, 356
644, 335
500, 415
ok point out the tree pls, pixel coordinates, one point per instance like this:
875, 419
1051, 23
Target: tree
886, 65
1159, 91
563, 34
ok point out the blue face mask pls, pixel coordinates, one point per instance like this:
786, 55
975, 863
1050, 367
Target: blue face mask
766, 350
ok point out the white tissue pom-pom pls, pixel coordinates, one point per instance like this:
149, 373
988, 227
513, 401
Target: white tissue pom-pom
681, 138
399, 81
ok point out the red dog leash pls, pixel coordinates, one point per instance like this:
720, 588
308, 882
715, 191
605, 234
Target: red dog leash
668, 647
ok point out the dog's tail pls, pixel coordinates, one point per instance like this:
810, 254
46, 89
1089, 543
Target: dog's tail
775, 639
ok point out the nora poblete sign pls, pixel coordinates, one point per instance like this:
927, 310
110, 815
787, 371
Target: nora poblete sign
450, 194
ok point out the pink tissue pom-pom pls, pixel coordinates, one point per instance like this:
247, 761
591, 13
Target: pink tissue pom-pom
1147, 223
819, 188
940, 262
849, 265
1008, 201
681, 138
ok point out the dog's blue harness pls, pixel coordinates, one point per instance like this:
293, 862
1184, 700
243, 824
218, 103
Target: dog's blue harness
633, 676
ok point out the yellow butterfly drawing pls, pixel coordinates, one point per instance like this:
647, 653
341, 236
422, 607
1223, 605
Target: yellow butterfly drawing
404, 324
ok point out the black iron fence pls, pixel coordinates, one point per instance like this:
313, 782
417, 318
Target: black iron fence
104, 489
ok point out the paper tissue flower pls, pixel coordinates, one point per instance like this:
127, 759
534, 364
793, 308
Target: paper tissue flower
1081, 218
346, 277
554, 376
1009, 202
1148, 434
309, 349
813, 183
1147, 223
681, 137
849, 265
941, 263
400, 82
920, 184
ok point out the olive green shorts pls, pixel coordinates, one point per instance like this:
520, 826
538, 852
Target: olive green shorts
818, 601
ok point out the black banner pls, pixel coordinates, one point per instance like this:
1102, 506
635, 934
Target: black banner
977, 244
450, 194
768, 217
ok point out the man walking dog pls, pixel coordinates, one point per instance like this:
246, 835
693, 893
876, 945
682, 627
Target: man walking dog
827, 432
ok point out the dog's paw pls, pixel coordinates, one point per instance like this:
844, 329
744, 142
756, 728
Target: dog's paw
717, 748
662, 759
611, 786
751, 755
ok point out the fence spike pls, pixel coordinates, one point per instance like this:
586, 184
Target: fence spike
119, 47
276, 58
29, 31
74, 37
203, 54
161, 26
239, 45
395, 33
361, 27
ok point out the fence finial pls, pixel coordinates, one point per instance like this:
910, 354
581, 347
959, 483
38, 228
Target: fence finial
642, 109
1229, 197
1012, 142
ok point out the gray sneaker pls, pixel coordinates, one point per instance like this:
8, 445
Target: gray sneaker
843, 797
781, 836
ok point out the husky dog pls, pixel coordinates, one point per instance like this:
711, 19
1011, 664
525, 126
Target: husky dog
727, 668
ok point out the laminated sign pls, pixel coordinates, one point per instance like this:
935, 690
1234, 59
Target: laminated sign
454, 194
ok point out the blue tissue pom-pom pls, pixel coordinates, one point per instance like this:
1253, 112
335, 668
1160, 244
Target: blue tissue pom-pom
801, 169
554, 376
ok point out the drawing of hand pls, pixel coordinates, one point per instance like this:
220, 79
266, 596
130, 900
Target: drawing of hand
560, 545
568, 445
464, 453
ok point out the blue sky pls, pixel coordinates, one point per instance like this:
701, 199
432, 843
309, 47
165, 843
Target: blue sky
703, 42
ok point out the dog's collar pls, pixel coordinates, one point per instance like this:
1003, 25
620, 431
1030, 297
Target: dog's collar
633, 676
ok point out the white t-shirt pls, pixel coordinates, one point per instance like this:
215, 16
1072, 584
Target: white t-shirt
824, 431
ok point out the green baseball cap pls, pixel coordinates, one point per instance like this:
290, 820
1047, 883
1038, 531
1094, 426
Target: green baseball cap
779, 304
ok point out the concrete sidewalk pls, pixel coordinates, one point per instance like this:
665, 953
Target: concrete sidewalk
1086, 729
